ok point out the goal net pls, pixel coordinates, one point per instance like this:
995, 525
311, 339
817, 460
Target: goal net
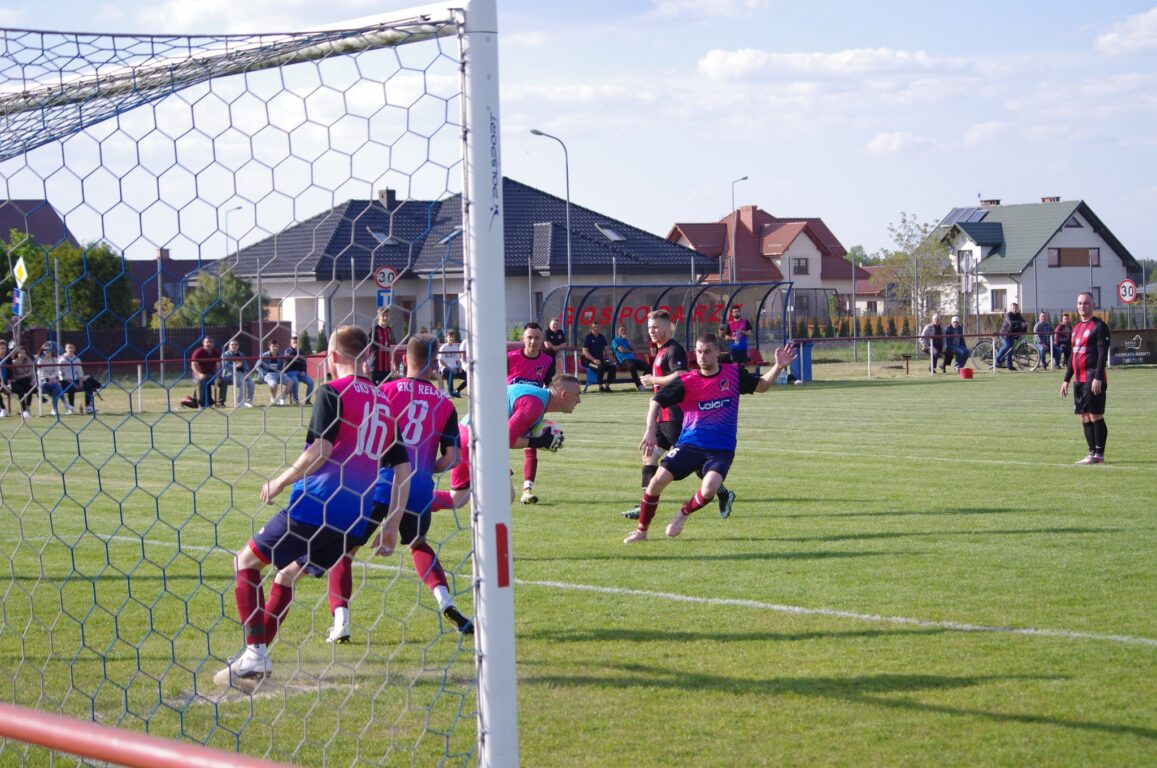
259, 190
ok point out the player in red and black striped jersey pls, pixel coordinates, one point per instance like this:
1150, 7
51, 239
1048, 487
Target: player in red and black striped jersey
670, 360
1087, 364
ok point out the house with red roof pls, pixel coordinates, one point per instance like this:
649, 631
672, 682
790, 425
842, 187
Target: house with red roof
751, 245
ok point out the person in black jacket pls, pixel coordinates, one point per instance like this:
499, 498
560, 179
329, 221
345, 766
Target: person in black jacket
1011, 328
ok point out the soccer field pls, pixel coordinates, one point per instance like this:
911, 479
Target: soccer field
915, 573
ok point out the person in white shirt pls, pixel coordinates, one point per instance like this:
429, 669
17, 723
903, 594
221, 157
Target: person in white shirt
451, 359
72, 377
48, 375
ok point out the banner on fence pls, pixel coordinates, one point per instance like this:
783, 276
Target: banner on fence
1133, 347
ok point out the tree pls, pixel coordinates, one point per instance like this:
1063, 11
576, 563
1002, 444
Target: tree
90, 285
305, 344
919, 264
217, 300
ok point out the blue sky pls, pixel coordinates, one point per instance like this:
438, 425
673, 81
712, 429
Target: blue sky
850, 112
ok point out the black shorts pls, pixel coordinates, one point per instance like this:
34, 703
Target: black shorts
739, 355
1084, 401
283, 541
667, 434
682, 460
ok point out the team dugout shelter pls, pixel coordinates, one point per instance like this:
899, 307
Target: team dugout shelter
695, 309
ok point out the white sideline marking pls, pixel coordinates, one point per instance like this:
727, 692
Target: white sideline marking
950, 626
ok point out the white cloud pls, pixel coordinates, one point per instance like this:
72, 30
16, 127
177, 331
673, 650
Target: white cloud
746, 64
982, 132
669, 9
1134, 34
11, 17
896, 143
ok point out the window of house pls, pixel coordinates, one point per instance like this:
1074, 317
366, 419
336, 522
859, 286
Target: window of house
1072, 223
871, 308
1074, 257
998, 299
799, 266
446, 310
609, 233
802, 303
1096, 296
383, 238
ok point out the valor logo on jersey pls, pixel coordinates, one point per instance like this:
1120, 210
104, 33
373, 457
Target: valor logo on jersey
714, 405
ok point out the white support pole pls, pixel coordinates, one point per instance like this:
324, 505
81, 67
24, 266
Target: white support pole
482, 217
140, 389
869, 358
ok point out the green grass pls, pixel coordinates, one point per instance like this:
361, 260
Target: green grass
855, 610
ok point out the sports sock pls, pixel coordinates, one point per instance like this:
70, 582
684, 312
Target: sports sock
341, 583
647, 510
1090, 434
250, 602
442, 500
426, 565
695, 502
1100, 435
280, 596
442, 595
529, 466
649, 471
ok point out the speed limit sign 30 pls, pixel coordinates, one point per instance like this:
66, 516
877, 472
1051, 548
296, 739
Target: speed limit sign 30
385, 277
1127, 291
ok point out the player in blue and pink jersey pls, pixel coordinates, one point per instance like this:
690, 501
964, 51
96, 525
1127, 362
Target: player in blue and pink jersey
1087, 367
330, 503
527, 406
530, 365
427, 426
709, 399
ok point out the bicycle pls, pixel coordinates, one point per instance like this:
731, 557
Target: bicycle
1023, 355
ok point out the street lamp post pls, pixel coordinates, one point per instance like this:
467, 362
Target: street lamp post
734, 226
566, 169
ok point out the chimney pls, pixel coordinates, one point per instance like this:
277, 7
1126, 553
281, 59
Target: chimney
1050, 199
388, 198
990, 203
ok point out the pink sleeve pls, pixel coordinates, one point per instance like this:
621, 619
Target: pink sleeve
527, 412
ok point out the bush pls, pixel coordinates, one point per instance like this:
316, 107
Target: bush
829, 330
304, 344
891, 326
879, 326
906, 330
322, 339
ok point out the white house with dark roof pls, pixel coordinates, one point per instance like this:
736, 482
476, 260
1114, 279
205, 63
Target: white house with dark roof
320, 272
1039, 255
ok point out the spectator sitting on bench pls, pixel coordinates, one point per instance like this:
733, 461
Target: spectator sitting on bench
628, 360
596, 358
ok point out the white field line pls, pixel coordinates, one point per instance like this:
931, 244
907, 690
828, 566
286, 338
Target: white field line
948, 626
749, 450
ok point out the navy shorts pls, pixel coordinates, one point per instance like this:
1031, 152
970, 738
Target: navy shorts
414, 525
283, 541
1084, 401
682, 460
667, 434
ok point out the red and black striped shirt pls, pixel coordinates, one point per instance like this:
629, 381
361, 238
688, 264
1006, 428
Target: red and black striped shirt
1090, 351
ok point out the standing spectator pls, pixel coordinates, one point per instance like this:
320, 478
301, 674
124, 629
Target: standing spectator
1087, 365
1044, 338
452, 364
205, 363
932, 342
381, 361
954, 344
72, 377
47, 373
329, 507
530, 365
235, 371
706, 445
724, 335
1063, 342
738, 333
22, 379
596, 358
297, 372
271, 370
1012, 327
554, 342
625, 354
5, 375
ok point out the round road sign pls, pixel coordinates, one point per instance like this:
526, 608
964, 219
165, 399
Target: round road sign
1127, 291
385, 277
